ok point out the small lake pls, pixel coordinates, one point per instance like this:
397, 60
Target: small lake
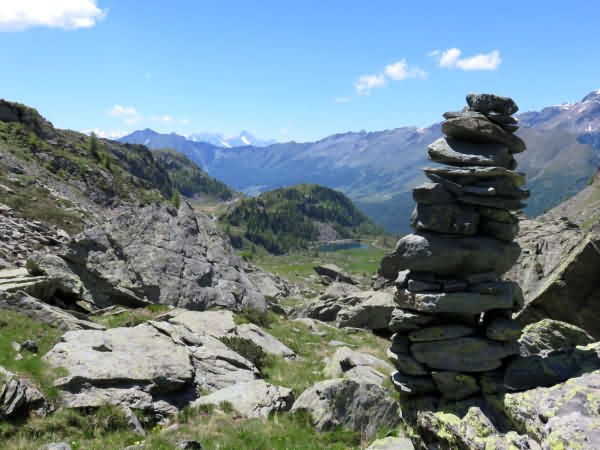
335, 246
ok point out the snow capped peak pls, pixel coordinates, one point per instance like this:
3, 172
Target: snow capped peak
245, 140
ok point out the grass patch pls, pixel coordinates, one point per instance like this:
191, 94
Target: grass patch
263, 319
248, 349
15, 327
130, 317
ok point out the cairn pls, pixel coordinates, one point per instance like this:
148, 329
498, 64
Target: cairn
452, 322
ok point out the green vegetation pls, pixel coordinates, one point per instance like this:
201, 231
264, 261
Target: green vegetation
285, 219
17, 328
248, 349
189, 179
124, 317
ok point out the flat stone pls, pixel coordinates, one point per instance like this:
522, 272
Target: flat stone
454, 385
406, 364
476, 278
410, 385
431, 193
498, 215
503, 329
434, 253
345, 359
366, 375
216, 323
445, 218
461, 153
453, 302
476, 174
483, 131
422, 286
501, 288
269, 343
502, 119
440, 333
403, 321
503, 187
335, 273
454, 286
400, 343
492, 103
499, 230
493, 202
465, 354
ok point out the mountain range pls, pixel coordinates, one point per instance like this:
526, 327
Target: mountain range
377, 170
221, 140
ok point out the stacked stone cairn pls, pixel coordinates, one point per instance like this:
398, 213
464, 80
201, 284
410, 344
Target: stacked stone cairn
452, 322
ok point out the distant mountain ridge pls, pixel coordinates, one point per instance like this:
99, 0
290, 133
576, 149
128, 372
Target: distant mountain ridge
377, 170
245, 138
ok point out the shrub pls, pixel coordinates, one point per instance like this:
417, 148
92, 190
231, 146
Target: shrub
246, 348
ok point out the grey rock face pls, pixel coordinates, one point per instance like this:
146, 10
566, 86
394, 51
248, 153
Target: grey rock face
413, 385
335, 273
252, 399
461, 153
455, 386
406, 364
168, 362
155, 255
368, 309
452, 302
392, 443
364, 407
440, 333
345, 359
403, 320
264, 340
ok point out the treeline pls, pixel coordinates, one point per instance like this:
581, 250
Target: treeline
284, 219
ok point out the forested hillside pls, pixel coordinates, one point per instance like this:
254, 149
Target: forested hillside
293, 217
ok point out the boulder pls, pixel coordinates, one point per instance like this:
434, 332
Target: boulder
391, 443
215, 323
559, 262
366, 374
155, 254
19, 398
345, 359
562, 416
367, 309
264, 340
429, 252
335, 273
252, 399
403, 320
548, 335
548, 369
44, 313
440, 333
339, 290
466, 354
342, 402
473, 430
460, 153
154, 367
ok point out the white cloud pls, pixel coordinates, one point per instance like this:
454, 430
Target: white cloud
128, 114
402, 71
17, 15
365, 83
341, 100
451, 58
483, 61
108, 134
165, 118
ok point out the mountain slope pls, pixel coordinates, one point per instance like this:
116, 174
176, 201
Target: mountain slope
377, 170
293, 217
189, 179
220, 140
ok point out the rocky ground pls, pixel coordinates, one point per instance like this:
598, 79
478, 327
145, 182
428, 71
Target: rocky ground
140, 327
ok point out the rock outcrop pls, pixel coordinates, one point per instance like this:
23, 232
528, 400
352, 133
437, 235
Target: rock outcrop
358, 406
156, 254
19, 398
453, 317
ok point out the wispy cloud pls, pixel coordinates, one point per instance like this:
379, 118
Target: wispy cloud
451, 58
397, 71
365, 83
18, 15
170, 119
402, 71
108, 134
128, 114
341, 99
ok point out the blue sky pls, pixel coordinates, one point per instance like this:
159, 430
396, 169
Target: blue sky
288, 70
